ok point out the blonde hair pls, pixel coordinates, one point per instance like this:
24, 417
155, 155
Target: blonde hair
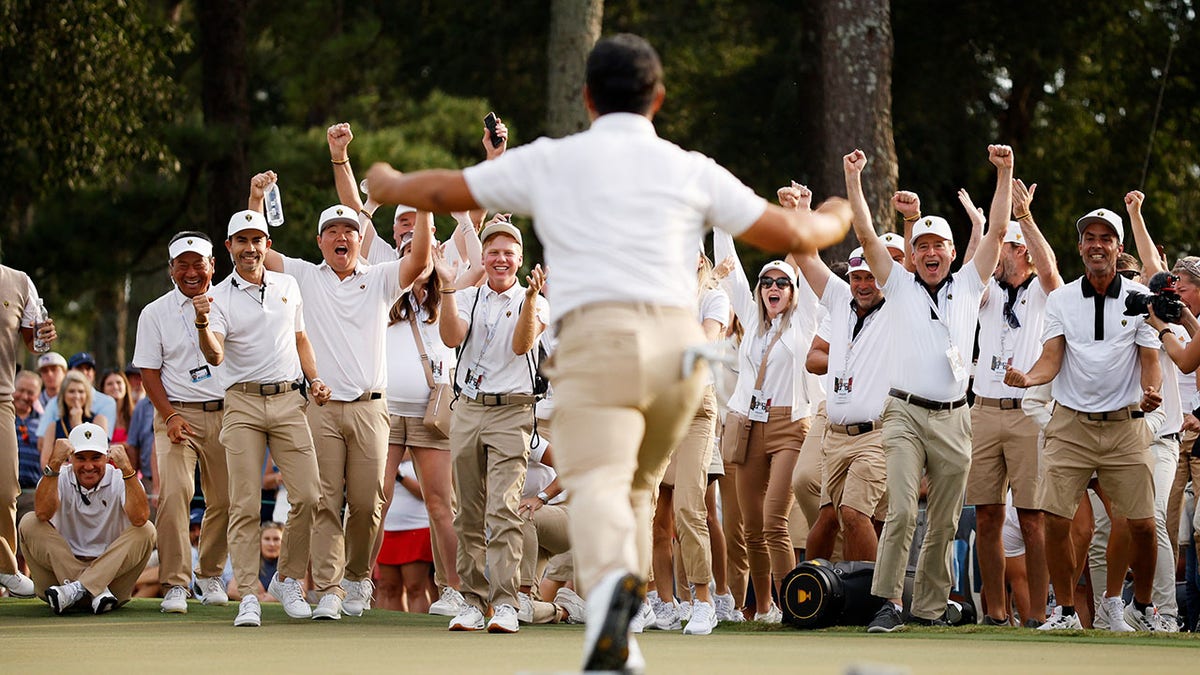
764, 323
74, 377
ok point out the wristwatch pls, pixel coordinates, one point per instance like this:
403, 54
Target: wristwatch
544, 497
48, 472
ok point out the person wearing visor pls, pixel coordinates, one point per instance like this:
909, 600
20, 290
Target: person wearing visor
89, 536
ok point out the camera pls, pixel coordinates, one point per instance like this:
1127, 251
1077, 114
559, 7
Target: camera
1163, 297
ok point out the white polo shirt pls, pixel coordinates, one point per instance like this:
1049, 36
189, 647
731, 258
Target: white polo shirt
999, 341
167, 342
1172, 393
346, 321
919, 364
854, 387
489, 345
619, 211
260, 325
90, 526
1100, 370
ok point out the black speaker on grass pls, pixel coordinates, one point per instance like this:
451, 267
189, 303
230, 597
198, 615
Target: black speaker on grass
819, 594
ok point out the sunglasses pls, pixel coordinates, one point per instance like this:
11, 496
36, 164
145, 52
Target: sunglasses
1129, 274
857, 261
778, 282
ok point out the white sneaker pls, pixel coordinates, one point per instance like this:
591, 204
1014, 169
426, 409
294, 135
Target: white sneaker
1165, 623
642, 619
212, 591
704, 619
666, 615
575, 606
1056, 621
175, 601
726, 611
358, 596
1149, 621
329, 608
525, 611
1114, 610
291, 596
18, 585
104, 603
249, 612
772, 615
504, 620
612, 606
684, 609
469, 619
450, 604
62, 597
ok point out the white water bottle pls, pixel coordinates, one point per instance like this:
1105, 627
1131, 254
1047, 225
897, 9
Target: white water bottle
274, 205
39, 345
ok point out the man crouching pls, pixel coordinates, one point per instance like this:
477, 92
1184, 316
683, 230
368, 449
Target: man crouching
90, 524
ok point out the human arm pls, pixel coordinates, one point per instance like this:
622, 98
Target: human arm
733, 279
712, 329
434, 190
817, 360
419, 255
177, 428
815, 271
339, 137
259, 183
45, 499
529, 326
1151, 378
451, 327
875, 251
308, 365
1044, 260
491, 151
1186, 356
977, 221
908, 205
137, 505
471, 249
212, 344
988, 254
1152, 262
1044, 369
783, 230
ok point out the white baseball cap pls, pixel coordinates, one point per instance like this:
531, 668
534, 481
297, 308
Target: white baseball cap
194, 244
51, 359
893, 240
1013, 234
931, 225
247, 220
860, 256
338, 214
402, 209
1104, 217
501, 227
88, 437
781, 266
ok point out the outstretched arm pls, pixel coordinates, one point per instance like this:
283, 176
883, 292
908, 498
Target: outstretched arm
1152, 262
1039, 249
878, 258
977, 222
1001, 156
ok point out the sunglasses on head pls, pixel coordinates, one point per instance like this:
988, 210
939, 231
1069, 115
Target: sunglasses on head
779, 282
1129, 274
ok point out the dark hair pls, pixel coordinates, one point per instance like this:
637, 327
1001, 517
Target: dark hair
124, 404
432, 302
623, 74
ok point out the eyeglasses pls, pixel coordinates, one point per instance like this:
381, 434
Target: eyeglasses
1129, 274
778, 282
857, 261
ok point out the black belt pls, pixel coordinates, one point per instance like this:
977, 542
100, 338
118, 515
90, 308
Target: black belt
853, 429
265, 389
206, 406
503, 399
1172, 437
1110, 415
370, 396
926, 403
1001, 403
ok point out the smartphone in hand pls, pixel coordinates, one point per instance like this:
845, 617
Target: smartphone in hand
490, 123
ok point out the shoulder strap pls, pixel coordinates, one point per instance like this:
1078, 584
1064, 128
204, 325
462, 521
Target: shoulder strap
762, 367
412, 321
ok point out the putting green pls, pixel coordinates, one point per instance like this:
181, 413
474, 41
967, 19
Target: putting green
138, 638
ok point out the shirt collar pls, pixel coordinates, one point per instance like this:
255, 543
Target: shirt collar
625, 123
240, 282
181, 299
1113, 291
358, 267
509, 294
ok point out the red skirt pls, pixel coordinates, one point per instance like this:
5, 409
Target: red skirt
406, 546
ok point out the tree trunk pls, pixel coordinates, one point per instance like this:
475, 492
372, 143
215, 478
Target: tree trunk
226, 111
855, 104
574, 29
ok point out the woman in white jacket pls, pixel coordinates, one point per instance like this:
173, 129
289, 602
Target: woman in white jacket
780, 317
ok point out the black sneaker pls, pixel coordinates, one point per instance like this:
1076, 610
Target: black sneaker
989, 621
919, 621
887, 620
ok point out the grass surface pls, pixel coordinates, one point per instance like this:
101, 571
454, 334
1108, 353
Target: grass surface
138, 638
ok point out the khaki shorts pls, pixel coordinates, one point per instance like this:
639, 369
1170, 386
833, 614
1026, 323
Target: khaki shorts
1004, 453
1119, 451
411, 432
855, 470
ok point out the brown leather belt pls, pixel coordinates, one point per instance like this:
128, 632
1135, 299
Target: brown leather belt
1001, 403
206, 406
926, 403
491, 400
265, 389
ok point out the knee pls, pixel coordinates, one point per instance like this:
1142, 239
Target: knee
852, 519
989, 519
29, 523
1142, 528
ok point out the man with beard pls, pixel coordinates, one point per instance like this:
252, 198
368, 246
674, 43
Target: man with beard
188, 409
926, 427
1005, 448
254, 324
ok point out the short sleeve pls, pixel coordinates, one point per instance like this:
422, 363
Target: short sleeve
502, 184
217, 321
1052, 326
465, 299
733, 207
29, 315
715, 306
297, 306
542, 309
147, 349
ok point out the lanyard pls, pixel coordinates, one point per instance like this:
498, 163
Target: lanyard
195, 345
491, 327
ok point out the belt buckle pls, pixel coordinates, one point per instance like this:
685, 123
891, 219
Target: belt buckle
269, 389
211, 406
1007, 404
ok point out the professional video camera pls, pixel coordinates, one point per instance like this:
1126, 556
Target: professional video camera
1163, 297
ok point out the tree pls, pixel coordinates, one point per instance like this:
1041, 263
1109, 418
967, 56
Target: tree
574, 29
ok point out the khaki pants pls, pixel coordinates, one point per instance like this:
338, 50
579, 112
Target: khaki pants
177, 485
621, 406
489, 449
806, 477
737, 559
351, 439
918, 440
690, 481
52, 563
1188, 470
10, 488
252, 423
